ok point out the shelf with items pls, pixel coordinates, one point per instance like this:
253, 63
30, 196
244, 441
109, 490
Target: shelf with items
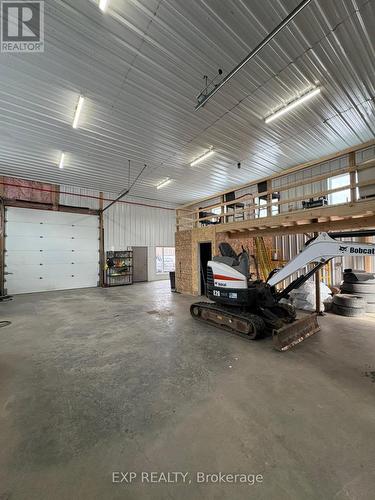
119, 268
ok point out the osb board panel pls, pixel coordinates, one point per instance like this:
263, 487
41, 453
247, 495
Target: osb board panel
187, 254
184, 261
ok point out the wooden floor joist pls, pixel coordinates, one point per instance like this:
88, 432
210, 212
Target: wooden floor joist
362, 223
356, 215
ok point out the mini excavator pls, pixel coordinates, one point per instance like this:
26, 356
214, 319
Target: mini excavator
253, 308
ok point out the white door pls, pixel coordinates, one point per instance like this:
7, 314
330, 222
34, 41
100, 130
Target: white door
47, 250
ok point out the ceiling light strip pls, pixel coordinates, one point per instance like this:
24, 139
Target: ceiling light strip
305, 97
61, 163
164, 183
77, 113
203, 157
103, 4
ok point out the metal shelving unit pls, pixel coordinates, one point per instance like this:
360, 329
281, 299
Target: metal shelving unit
119, 268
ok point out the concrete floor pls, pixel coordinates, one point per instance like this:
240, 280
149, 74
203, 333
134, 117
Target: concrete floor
96, 381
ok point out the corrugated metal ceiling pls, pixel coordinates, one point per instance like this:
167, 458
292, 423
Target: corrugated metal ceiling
140, 66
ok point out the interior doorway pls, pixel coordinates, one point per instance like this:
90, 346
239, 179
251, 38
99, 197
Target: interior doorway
205, 254
140, 267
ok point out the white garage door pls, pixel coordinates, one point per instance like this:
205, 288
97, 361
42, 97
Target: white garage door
48, 250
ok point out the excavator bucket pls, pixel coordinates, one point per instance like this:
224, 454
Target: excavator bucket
296, 332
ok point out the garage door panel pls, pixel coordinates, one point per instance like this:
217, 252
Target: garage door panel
51, 231
61, 253
43, 278
53, 270
36, 257
49, 217
32, 283
50, 244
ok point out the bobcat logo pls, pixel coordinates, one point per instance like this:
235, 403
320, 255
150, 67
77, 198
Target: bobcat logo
342, 249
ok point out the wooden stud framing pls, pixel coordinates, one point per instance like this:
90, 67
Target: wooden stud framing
353, 177
252, 208
56, 198
2, 248
47, 206
101, 242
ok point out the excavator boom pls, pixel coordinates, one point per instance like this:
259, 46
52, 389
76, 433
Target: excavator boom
321, 250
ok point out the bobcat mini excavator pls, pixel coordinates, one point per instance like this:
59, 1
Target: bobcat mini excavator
253, 308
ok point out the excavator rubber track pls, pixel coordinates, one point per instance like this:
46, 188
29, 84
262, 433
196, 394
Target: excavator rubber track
233, 320
252, 326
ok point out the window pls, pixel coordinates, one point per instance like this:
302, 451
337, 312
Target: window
217, 211
260, 212
165, 259
339, 196
263, 211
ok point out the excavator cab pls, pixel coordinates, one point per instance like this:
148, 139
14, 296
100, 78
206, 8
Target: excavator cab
227, 277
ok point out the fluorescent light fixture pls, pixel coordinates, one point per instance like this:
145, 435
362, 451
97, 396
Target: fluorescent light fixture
81, 100
305, 97
103, 4
203, 157
61, 164
164, 183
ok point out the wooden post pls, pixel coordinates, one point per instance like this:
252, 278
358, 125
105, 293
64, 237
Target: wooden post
317, 291
269, 198
2, 237
101, 242
317, 287
353, 177
56, 198
368, 259
2, 247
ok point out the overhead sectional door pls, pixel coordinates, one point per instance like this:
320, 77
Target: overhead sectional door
48, 250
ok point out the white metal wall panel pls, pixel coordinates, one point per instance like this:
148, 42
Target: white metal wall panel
48, 250
79, 197
129, 225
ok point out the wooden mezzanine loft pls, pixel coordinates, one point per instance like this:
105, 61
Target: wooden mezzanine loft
358, 212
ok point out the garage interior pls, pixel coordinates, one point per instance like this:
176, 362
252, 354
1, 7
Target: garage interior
145, 144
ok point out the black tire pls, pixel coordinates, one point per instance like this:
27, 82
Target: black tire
347, 311
364, 281
369, 297
358, 288
359, 277
351, 301
370, 308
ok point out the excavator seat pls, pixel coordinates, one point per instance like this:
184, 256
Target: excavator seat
229, 257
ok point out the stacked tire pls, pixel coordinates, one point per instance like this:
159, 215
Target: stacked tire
360, 284
348, 305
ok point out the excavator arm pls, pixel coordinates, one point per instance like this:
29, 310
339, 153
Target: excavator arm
321, 250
